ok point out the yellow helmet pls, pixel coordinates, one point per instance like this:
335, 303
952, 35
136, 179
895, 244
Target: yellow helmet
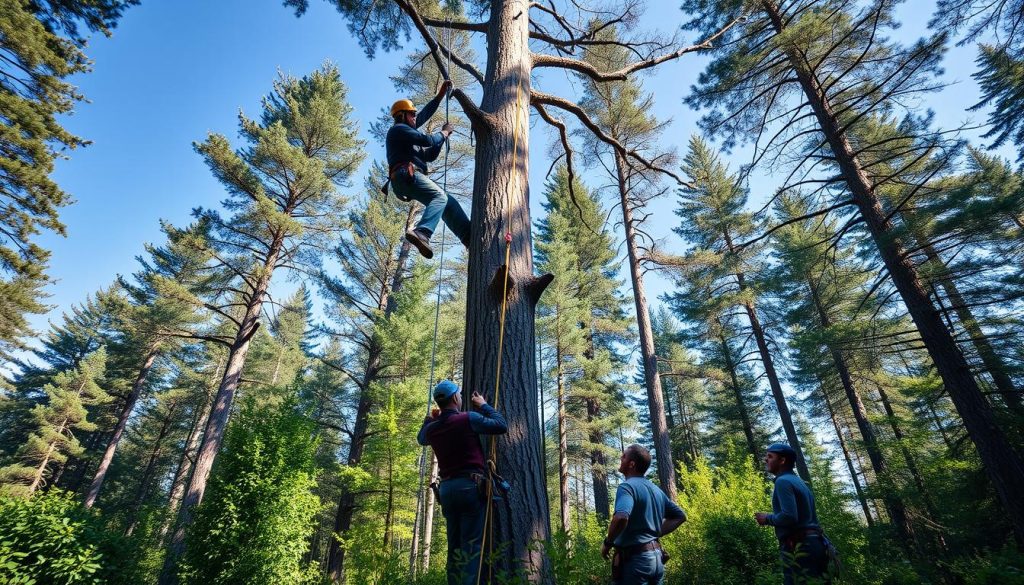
402, 106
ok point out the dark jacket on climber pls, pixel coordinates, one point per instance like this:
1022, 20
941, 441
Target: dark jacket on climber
408, 152
454, 437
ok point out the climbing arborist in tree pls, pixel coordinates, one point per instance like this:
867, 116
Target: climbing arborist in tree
802, 545
409, 151
454, 437
643, 513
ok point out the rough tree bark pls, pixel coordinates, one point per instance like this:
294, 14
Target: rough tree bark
500, 207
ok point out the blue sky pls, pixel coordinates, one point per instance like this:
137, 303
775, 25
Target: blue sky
177, 69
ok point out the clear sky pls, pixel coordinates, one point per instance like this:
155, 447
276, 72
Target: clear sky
177, 69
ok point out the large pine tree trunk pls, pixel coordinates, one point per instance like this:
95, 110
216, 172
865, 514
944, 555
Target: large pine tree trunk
501, 205
1002, 463
655, 397
122, 422
217, 422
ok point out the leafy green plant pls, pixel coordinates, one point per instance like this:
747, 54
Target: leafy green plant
51, 538
254, 523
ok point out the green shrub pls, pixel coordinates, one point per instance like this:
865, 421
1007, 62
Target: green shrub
255, 521
1001, 567
720, 542
51, 538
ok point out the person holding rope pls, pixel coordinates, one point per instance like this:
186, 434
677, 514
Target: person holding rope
408, 152
643, 513
802, 545
455, 438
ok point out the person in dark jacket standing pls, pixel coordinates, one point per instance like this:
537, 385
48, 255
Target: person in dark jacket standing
408, 152
643, 513
801, 542
455, 438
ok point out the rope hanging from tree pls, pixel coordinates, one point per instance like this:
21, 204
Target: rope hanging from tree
437, 317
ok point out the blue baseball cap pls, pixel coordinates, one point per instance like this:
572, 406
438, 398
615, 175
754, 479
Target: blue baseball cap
782, 449
445, 389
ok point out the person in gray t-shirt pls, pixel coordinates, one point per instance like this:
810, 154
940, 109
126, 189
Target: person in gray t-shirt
642, 514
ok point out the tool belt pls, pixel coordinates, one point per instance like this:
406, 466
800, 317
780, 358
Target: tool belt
477, 475
407, 166
797, 536
395, 169
623, 554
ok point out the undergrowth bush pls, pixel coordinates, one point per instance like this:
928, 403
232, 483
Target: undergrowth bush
51, 538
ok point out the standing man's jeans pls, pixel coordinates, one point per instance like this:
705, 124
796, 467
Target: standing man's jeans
643, 568
807, 564
436, 204
463, 511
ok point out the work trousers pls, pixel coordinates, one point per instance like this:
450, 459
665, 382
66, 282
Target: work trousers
805, 563
437, 204
463, 511
643, 568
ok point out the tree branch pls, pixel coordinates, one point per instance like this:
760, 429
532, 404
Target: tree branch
537, 97
541, 60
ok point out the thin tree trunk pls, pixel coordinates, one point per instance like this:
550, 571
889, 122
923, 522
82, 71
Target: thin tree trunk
181, 476
147, 473
1002, 463
428, 516
361, 424
122, 422
990, 359
769, 371
748, 428
648, 355
908, 457
894, 505
563, 448
597, 464
849, 462
38, 478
